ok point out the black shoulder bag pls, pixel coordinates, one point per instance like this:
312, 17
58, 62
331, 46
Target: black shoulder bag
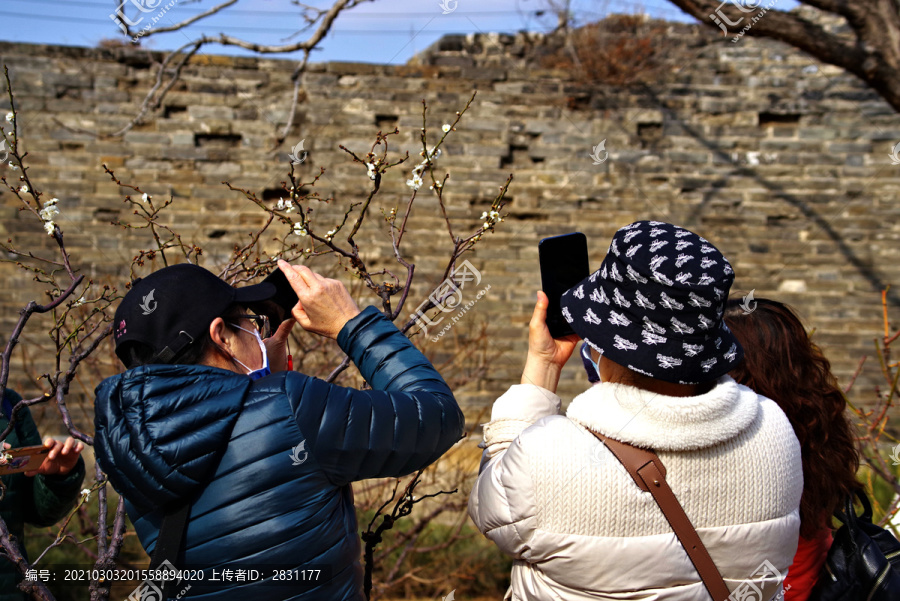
168, 547
864, 560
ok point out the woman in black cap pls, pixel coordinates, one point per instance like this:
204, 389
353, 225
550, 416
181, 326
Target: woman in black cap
207, 427
551, 494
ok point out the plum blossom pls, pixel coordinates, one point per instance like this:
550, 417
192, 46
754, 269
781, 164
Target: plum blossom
371, 169
491, 218
50, 210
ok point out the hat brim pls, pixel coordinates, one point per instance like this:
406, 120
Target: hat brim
612, 341
255, 293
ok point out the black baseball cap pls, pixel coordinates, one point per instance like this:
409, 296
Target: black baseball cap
172, 308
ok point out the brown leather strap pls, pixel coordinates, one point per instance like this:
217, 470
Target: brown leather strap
649, 474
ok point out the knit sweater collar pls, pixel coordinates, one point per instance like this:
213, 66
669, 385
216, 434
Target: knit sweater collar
666, 423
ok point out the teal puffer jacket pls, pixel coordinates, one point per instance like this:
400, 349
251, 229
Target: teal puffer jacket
267, 464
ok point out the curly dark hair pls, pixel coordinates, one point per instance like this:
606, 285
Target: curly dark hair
782, 363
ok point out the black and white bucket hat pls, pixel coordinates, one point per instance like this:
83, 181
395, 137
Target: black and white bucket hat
655, 305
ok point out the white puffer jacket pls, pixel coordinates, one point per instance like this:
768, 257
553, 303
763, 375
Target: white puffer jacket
556, 500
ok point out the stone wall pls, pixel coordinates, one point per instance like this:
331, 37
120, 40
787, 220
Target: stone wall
781, 162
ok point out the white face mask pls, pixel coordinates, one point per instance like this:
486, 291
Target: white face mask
586, 353
263, 371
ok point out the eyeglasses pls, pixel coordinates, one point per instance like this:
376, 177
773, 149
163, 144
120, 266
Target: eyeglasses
261, 322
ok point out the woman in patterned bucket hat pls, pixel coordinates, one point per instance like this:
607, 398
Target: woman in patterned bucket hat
553, 497
656, 305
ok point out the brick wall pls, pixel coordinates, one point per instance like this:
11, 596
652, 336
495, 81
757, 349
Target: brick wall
780, 161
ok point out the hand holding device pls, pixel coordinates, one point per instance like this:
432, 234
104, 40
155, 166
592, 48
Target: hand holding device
546, 355
324, 304
61, 457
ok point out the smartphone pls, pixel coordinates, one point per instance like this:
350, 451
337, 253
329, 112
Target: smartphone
24, 459
278, 308
564, 263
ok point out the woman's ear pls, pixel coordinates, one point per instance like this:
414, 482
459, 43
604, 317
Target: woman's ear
221, 335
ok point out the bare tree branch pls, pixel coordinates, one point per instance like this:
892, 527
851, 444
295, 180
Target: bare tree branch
874, 56
189, 21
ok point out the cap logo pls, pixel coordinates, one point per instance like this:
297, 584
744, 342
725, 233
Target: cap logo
148, 304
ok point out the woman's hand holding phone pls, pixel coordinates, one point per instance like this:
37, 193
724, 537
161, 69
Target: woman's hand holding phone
546, 355
61, 459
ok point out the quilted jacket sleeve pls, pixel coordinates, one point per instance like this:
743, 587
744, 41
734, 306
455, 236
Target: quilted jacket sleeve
502, 503
403, 424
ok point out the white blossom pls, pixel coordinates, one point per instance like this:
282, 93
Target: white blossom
146, 197
445, 128
370, 169
49, 227
50, 210
415, 183
10, 117
300, 229
86, 493
330, 234
23, 189
13, 167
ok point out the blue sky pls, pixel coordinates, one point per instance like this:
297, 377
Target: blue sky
382, 31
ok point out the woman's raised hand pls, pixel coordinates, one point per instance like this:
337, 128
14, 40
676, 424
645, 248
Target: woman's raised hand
546, 354
325, 305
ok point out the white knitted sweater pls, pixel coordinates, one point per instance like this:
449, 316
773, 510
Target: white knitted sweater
554, 498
